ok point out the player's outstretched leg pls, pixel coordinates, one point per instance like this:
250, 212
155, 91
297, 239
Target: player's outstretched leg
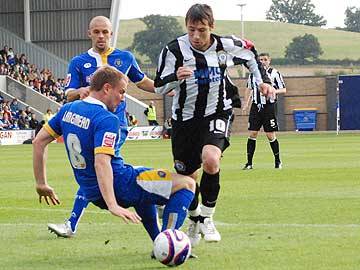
209, 188
68, 229
148, 215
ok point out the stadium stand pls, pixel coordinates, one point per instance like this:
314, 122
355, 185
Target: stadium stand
17, 67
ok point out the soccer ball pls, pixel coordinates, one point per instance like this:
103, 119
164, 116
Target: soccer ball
172, 247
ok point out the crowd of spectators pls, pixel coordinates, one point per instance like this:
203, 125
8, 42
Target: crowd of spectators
18, 67
13, 118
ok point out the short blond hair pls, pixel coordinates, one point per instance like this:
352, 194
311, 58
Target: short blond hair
106, 74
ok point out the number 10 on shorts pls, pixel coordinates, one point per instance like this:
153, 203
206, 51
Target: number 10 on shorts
217, 126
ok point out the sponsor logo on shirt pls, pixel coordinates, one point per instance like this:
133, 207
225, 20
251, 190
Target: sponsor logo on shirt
87, 65
68, 79
109, 139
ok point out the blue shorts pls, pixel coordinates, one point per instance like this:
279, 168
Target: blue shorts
140, 185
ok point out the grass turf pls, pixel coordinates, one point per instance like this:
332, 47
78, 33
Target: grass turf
305, 216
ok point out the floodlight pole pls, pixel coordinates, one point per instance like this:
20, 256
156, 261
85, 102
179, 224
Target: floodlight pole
27, 26
241, 5
115, 20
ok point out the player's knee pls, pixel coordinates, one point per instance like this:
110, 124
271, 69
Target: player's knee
211, 164
190, 183
271, 136
253, 134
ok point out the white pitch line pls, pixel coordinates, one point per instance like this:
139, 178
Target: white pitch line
218, 223
50, 209
299, 225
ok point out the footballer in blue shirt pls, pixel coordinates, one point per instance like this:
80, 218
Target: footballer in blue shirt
81, 70
91, 130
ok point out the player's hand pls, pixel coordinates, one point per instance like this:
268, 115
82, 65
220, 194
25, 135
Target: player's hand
184, 73
84, 92
48, 193
267, 90
125, 214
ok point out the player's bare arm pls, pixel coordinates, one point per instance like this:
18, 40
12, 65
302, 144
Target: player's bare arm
147, 85
280, 91
105, 178
247, 98
75, 94
45, 192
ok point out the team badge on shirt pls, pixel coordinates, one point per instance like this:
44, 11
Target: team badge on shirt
117, 62
222, 57
109, 139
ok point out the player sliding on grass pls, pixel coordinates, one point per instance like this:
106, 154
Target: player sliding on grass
81, 68
91, 131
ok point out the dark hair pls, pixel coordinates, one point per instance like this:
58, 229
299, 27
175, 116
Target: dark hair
200, 13
106, 74
264, 54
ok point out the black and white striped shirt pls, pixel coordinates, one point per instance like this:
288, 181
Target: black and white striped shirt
277, 82
203, 94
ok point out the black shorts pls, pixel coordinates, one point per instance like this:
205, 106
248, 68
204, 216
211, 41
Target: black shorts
263, 116
189, 137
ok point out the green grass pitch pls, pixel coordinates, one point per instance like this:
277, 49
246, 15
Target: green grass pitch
305, 216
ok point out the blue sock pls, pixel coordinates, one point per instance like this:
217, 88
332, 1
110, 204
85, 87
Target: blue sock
80, 204
176, 209
149, 219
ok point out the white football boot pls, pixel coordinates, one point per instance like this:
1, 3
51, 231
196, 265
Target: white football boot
194, 233
209, 231
61, 230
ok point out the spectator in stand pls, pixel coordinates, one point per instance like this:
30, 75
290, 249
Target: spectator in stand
7, 112
4, 51
15, 125
14, 106
23, 122
48, 115
11, 57
6, 123
33, 124
28, 111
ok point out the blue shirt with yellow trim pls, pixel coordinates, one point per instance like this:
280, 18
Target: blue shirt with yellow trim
83, 66
88, 128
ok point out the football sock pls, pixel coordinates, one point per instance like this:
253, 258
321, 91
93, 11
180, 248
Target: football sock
275, 148
209, 188
195, 202
251, 144
176, 209
80, 204
149, 219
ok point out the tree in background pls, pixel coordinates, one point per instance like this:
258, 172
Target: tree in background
294, 11
160, 30
303, 49
352, 19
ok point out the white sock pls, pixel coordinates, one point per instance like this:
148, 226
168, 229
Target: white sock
196, 212
207, 211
